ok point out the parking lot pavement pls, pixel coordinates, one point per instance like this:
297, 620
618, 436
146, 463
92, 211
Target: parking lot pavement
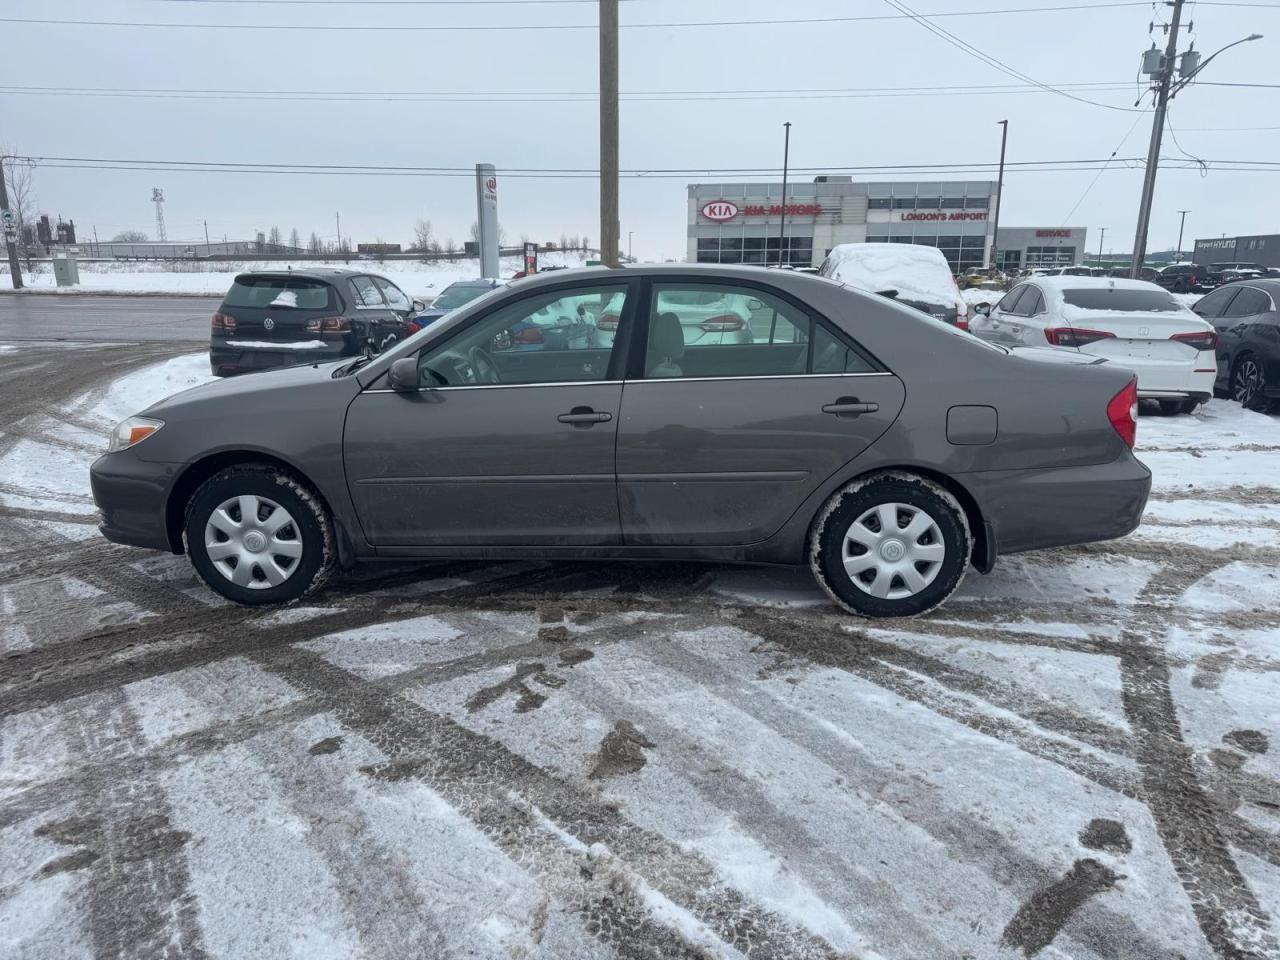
1076, 757
76, 316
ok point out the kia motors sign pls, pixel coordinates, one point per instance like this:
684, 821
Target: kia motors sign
719, 211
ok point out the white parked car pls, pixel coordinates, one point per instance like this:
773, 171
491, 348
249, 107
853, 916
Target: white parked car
914, 274
1131, 323
713, 317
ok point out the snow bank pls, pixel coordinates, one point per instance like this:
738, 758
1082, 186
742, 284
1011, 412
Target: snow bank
212, 279
917, 272
139, 390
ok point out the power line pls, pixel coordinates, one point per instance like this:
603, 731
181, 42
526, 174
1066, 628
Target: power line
400, 28
524, 96
969, 49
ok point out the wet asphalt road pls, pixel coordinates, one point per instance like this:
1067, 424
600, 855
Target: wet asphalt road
593, 760
104, 319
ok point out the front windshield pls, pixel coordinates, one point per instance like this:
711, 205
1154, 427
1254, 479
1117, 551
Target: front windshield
458, 294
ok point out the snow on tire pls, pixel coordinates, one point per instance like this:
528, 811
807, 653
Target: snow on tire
890, 545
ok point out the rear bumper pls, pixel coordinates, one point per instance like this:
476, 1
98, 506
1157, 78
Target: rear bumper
1034, 509
1171, 378
228, 360
131, 495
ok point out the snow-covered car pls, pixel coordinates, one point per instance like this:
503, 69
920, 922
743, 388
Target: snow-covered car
1131, 323
914, 274
710, 317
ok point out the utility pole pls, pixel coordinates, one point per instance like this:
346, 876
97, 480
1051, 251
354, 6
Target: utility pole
609, 132
1182, 224
1164, 77
10, 228
630, 256
206, 238
1100, 239
995, 227
337, 219
782, 228
1161, 68
97, 247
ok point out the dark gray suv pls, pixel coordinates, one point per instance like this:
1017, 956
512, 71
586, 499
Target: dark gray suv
885, 449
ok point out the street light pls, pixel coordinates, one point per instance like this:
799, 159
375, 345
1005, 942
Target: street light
1206, 61
1180, 226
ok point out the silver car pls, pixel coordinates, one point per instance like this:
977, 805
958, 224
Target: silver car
884, 449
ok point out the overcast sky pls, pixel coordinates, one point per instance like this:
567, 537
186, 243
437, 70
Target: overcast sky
1060, 47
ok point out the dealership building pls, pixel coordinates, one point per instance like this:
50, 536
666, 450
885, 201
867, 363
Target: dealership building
742, 223
1264, 250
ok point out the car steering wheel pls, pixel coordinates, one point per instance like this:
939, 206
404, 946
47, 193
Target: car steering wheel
482, 366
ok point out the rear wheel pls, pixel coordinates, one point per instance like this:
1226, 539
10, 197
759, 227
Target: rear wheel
1249, 383
257, 536
894, 545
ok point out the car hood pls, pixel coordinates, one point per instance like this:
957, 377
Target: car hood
250, 384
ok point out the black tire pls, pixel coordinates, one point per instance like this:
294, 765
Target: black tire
1249, 384
830, 545
309, 528
1172, 408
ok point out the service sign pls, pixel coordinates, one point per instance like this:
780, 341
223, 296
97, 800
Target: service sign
1053, 233
720, 211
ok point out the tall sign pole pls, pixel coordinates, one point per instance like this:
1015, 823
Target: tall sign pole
609, 224
993, 261
487, 219
1164, 78
783, 255
9, 224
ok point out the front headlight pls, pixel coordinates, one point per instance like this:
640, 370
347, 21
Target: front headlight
131, 431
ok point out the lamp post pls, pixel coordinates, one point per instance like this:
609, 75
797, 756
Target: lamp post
1182, 224
1100, 239
782, 229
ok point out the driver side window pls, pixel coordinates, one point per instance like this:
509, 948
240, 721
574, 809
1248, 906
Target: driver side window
563, 336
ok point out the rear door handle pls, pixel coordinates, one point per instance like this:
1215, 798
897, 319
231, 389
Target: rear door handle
849, 407
584, 415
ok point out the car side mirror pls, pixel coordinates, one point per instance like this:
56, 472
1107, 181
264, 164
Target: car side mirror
403, 375
419, 306
983, 309
889, 294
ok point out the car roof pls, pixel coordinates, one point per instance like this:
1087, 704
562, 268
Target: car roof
310, 273
1095, 283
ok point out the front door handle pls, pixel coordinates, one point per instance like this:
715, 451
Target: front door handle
849, 407
584, 415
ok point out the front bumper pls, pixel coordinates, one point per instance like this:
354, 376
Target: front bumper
131, 495
1035, 509
227, 360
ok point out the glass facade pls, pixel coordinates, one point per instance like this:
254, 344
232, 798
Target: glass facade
1055, 256
761, 250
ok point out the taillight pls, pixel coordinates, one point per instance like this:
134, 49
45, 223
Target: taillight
727, 323
528, 335
223, 322
607, 321
1074, 336
1201, 339
1122, 411
413, 326
962, 318
329, 328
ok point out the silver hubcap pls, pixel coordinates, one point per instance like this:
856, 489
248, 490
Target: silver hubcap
1248, 381
893, 551
253, 542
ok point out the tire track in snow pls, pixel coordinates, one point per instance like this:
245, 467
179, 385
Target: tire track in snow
478, 776
139, 902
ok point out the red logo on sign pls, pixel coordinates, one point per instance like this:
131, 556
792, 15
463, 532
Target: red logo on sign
492, 184
719, 210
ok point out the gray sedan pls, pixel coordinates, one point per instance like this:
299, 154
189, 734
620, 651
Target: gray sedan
888, 451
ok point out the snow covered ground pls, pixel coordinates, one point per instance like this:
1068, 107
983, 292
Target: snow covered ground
1075, 758
212, 279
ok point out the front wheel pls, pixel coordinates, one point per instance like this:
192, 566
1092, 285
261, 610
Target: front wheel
894, 545
257, 536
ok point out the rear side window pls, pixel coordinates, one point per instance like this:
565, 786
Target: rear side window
831, 355
364, 293
1213, 304
279, 292
1115, 298
1249, 302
